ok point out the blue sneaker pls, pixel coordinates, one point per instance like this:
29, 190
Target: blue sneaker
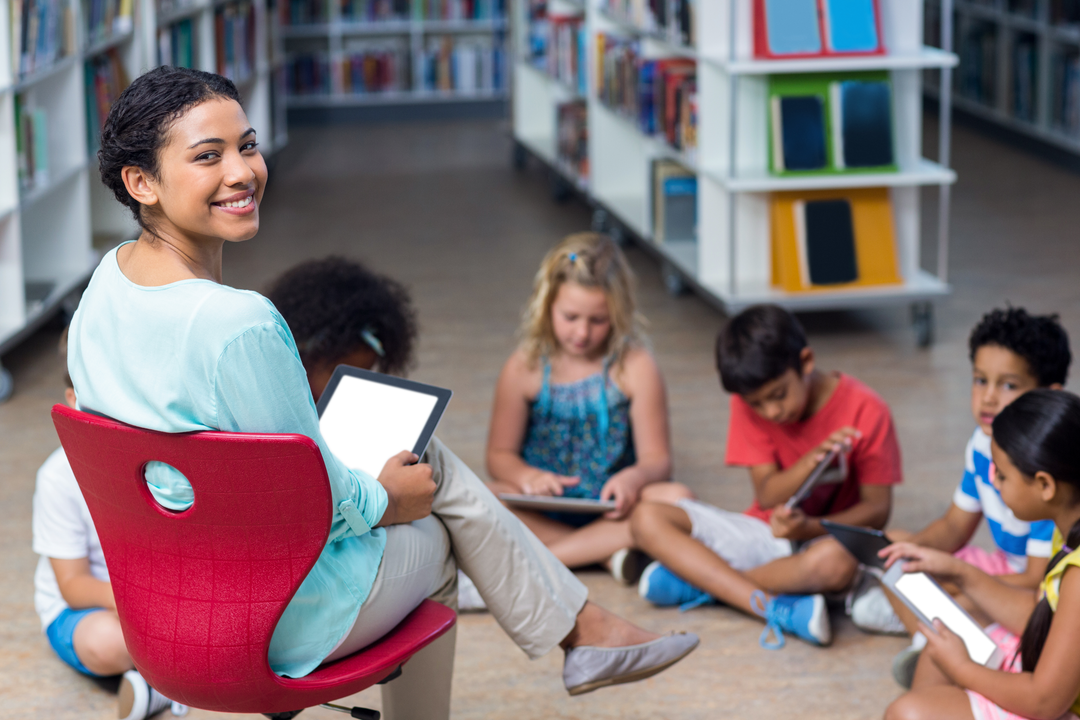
664, 588
805, 616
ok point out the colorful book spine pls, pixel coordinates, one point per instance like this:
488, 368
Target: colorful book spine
361, 11
176, 44
461, 9
307, 74
466, 66
42, 32
376, 66
31, 144
234, 30
304, 12
105, 80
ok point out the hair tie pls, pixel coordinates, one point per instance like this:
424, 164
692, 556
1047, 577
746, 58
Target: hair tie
573, 257
373, 342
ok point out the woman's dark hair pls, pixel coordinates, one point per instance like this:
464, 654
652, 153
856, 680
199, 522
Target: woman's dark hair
1039, 339
1039, 431
139, 122
336, 306
758, 345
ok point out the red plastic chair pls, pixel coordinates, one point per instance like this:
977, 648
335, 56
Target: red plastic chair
200, 592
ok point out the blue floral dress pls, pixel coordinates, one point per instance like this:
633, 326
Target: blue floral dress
580, 429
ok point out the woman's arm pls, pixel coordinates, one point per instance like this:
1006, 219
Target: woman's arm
79, 588
644, 386
1045, 694
509, 420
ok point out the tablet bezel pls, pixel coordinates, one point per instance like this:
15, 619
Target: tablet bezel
442, 397
557, 503
855, 532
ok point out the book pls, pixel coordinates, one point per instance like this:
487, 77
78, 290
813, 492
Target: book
798, 133
825, 232
572, 128
674, 202
105, 79
234, 35
809, 28
862, 124
851, 26
791, 27
42, 32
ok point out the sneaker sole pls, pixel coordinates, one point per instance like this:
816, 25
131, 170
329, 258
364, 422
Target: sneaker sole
125, 700
628, 677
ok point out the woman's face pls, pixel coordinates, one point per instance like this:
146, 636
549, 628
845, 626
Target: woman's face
211, 175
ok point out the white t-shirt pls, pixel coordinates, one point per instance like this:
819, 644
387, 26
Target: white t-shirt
63, 530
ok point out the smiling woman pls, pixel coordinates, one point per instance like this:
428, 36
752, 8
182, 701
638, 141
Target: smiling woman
160, 343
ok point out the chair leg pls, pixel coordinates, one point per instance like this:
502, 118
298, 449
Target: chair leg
283, 715
355, 712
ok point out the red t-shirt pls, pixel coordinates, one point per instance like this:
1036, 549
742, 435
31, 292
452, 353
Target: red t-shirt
874, 459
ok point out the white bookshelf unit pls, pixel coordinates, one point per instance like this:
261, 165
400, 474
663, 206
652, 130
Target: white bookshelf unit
356, 53
730, 261
56, 218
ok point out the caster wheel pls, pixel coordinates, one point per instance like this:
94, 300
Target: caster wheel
673, 281
283, 715
561, 190
600, 220
922, 318
7, 384
519, 156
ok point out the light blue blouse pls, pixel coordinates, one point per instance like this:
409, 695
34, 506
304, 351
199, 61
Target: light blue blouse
196, 355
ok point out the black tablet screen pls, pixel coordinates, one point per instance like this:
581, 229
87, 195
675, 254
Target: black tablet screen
366, 422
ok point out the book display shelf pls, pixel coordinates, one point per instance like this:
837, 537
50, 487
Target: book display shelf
1019, 65
801, 139
62, 64
342, 53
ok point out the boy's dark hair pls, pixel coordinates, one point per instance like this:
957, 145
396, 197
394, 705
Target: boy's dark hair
335, 306
1039, 339
139, 121
758, 345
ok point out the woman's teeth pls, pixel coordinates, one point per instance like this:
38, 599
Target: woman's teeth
237, 203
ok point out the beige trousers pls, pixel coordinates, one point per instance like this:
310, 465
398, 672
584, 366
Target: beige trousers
532, 596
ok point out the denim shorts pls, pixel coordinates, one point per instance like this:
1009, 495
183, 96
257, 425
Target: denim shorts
61, 634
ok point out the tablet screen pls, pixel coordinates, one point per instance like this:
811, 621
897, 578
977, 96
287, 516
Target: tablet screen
366, 423
936, 604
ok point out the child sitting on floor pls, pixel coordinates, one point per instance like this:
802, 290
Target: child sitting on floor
72, 594
1037, 472
1011, 353
580, 407
786, 415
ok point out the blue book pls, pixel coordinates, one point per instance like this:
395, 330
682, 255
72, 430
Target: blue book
827, 242
851, 26
792, 27
798, 133
864, 136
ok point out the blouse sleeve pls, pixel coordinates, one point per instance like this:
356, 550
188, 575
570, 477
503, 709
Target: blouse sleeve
261, 386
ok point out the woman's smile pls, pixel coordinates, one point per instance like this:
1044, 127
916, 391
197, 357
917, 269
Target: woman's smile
238, 204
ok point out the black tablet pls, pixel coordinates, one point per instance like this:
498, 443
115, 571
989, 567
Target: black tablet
552, 503
863, 543
366, 417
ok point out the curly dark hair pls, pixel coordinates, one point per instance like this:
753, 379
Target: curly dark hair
1039, 339
758, 345
139, 122
335, 306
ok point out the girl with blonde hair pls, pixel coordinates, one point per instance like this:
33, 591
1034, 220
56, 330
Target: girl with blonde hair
580, 407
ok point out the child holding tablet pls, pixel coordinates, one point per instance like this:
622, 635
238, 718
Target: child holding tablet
1037, 472
580, 407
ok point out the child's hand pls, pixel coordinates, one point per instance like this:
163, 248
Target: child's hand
542, 482
917, 558
843, 439
945, 648
410, 489
788, 524
624, 491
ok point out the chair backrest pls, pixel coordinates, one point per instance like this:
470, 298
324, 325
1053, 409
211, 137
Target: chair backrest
199, 592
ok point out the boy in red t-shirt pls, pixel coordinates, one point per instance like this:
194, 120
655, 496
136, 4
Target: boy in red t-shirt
786, 415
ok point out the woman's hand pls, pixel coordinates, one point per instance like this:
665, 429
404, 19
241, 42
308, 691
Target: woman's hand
918, 558
946, 649
625, 489
542, 482
410, 489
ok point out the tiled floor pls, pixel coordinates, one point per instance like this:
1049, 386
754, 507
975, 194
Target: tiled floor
439, 208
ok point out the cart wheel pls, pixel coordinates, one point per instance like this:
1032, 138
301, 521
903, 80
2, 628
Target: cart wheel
7, 384
519, 156
673, 280
922, 317
561, 189
599, 220
283, 715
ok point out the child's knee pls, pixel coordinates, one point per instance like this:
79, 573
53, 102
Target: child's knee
666, 492
831, 565
647, 519
99, 643
907, 707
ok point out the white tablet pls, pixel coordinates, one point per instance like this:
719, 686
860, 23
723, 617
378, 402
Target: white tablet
552, 503
367, 418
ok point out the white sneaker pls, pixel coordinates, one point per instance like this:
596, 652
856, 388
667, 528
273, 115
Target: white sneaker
468, 597
872, 612
138, 701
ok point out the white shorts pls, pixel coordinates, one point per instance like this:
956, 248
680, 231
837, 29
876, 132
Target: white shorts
744, 542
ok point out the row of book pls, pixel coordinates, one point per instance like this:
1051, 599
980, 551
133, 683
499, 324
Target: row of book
558, 46
42, 32
176, 44
465, 66
978, 62
31, 144
234, 34
306, 12
815, 28
673, 18
572, 137
1066, 103
105, 80
659, 95
107, 18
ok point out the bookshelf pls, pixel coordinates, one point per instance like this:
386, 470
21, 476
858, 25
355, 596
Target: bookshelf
727, 146
56, 218
355, 53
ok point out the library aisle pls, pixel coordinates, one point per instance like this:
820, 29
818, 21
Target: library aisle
439, 207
